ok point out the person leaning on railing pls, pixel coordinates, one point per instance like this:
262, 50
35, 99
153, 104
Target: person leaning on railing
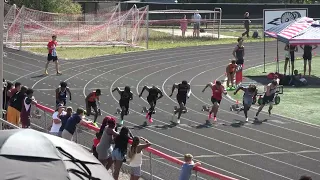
14, 109
187, 167
72, 123
26, 109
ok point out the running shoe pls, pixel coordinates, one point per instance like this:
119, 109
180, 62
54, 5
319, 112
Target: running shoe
150, 120
95, 124
210, 116
178, 121
269, 111
46, 73
214, 118
59, 73
121, 122
147, 116
247, 119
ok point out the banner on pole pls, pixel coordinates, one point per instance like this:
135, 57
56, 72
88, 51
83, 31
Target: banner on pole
275, 17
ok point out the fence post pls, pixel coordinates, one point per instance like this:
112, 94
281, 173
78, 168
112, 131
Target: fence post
21, 29
151, 170
45, 121
147, 24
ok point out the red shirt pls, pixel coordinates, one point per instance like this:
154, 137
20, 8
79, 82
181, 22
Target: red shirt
217, 92
96, 141
93, 97
51, 45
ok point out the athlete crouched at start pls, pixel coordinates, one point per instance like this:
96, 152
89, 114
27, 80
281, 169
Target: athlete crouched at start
249, 94
217, 91
125, 97
182, 95
61, 94
268, 97
91, 102
154, 94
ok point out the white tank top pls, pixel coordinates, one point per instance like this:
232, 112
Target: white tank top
137, 160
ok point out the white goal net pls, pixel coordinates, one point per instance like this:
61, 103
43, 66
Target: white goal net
110, 27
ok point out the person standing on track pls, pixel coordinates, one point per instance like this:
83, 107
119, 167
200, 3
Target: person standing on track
307, 56
238, 52
246, 24
125, 97
184, 92
152, 98
217, 91
268, 97
61, 94
249, 94
230, 72
52, 55
91, 101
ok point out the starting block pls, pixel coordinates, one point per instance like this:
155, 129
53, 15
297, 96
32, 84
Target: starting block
235, 107
183, 111
205, 108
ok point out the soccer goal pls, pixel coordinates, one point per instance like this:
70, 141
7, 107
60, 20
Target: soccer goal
112, 27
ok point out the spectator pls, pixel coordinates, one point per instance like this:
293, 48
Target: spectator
187, 167
289, 56
120, 150
184, 25
56, 121
246, 23
64, 118
8, 86
96, 141
17, 87
307, 56
14, 109
26, 108
135, 154
305, 178
72, 122
196, 25
298, 80
104, 148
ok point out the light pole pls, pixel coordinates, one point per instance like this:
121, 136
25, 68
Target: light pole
1, 53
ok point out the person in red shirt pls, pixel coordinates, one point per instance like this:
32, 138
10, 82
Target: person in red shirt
217, 91
91, 101
52, 55
230, 72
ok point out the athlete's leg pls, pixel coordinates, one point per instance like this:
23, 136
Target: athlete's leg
260, 109
88, 108
228, 79
181, 107
286, 65
151, 109
270, 108
305, 66
246, 108
309, 63
95, 109
46, 67
232, 77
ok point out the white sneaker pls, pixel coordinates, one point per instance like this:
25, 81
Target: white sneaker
247, 120
178, 121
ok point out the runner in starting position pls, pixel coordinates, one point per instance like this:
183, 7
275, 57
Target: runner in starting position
182, 95
125, 97
249, 93
91, 101
268, 97
217, 91
61, 94
152, 98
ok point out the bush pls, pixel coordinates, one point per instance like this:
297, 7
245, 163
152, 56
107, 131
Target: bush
55, 6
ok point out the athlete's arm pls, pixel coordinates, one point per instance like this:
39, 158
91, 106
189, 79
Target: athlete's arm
69, 92
239, 88
208, 85
117, 89
268, 90
301, 47
189, 91
161, 94
144, 88
315, 47
131, 96
57, 94
234, 52
173, 88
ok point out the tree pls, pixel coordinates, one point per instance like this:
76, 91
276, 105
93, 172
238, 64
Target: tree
55, 6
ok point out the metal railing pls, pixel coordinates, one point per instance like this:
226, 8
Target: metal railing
153, 161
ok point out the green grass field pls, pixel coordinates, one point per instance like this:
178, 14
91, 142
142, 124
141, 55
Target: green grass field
157, 40
300, 103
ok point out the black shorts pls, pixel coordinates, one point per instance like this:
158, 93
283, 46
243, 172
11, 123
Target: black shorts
152, 99
267, 99
240, 61
53, 58
213, 100
182, 99
124, 103
91, 105
307, 57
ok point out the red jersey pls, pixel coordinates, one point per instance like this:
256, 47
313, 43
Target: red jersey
93, 97
51, 45
232, 67
217, 92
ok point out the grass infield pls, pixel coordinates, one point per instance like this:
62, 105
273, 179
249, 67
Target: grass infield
300, 103
157, 40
